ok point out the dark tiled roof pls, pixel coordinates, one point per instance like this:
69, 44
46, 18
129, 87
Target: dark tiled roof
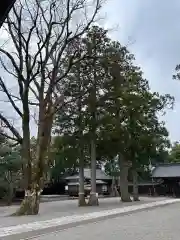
100, 175
166, 170
77, 183
73, 177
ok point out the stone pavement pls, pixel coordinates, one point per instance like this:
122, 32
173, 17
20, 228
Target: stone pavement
56, 209
69, 214
24, 231
160, 223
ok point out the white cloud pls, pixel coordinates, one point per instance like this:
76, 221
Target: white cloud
152, 31
153, 27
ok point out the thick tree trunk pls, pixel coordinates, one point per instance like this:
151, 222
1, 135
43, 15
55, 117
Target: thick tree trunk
36, 169
114, 191
30, 203
29, 200
119, 181
93, 199
135, 185
10, 194
82, 201
124, 167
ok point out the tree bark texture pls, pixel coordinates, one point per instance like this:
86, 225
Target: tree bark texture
30, 203
114, 191
81, 200
124, 167
135, 185
93, 199
10, 194
35, 169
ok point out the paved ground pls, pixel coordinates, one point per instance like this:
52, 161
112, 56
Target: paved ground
50, 210
155, 224
110, 208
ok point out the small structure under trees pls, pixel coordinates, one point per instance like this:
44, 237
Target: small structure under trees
103, 182
169, 174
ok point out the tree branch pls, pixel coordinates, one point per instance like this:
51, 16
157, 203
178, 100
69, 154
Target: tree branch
11, 128
5, 90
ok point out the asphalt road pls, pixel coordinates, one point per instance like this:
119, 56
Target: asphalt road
161, 223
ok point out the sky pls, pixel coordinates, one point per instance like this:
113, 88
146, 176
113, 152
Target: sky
151, 29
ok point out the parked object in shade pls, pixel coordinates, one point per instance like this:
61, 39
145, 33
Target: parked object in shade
6, 6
